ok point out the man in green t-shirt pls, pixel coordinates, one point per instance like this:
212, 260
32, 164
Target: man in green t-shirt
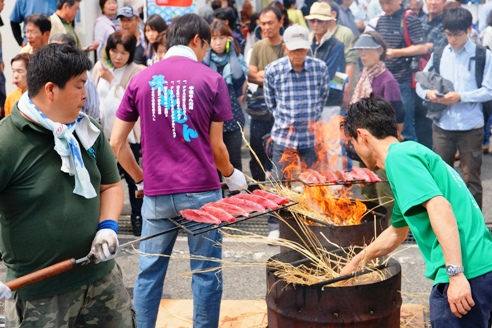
434, 203
60, 198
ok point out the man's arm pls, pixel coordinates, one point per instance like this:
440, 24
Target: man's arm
418, 40
221, 155
413, 50
105, 243
269, 90
121, 149
387, 242
256, 76
347, 92
444, 225
111, 202
17, 32
484, 93
16, 18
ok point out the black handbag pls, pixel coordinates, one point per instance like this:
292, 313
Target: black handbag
257, 107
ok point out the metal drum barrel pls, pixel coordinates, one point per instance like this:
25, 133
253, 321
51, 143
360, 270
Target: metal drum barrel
373, 305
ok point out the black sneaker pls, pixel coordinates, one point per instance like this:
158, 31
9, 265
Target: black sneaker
136, 225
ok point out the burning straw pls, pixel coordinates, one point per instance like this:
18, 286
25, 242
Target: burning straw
319, 264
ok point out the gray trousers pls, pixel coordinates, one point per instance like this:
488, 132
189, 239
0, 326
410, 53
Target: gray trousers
469, 145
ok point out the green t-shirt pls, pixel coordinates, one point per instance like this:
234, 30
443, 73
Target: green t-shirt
264, 53
42, 221
416, 174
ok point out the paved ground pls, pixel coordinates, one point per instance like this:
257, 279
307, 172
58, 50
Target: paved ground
242, 281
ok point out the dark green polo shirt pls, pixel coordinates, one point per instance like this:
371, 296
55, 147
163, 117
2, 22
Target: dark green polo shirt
42, 221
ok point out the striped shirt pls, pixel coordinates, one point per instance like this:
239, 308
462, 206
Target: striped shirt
296, 100
391, 29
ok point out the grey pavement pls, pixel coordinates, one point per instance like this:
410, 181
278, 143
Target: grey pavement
248, 282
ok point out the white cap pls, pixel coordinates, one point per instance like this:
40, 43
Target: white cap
296, 37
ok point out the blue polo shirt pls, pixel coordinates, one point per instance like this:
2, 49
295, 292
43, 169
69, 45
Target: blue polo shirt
24, 8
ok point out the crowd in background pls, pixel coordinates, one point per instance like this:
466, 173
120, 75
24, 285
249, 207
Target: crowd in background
244, 43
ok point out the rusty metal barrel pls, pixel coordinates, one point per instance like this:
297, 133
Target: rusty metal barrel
358, 235
372, 305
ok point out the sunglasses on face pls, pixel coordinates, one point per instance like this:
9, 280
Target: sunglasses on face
316, 21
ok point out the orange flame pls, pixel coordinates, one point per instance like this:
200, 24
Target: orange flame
336, 204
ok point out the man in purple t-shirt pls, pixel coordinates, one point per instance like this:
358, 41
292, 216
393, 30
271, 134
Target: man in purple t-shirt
182, 105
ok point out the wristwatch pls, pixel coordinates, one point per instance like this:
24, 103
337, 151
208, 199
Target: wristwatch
453, 270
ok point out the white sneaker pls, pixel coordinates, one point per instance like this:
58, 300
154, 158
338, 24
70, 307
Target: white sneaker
273, 236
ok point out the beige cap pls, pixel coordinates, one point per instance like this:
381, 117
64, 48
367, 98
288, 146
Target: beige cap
321, 11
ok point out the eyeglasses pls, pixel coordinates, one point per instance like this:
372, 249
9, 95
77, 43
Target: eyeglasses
208, 45
33, 32
450, 34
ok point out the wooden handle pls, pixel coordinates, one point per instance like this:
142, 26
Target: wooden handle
42, 274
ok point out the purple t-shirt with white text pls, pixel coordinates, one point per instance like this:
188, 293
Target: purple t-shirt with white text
176, 100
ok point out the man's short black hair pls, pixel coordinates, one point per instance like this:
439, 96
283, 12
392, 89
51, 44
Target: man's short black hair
70, 3
41, 21
374, 114
56, 63
184, 28
274, 10
456, 19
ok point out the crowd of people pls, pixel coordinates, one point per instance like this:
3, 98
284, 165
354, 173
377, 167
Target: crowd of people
166, 103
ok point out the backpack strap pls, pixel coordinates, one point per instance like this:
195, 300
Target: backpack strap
480, 56
406, 34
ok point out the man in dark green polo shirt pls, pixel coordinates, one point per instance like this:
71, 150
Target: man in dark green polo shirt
60, 198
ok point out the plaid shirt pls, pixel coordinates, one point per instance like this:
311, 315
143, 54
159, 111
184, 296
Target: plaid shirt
296, 100
434, 31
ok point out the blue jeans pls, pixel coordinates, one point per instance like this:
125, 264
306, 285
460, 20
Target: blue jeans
408, 132
206, 286
480, 315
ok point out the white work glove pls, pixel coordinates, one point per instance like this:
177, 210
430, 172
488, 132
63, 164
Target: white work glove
139, 193
236, 181
5, 292
104, 246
